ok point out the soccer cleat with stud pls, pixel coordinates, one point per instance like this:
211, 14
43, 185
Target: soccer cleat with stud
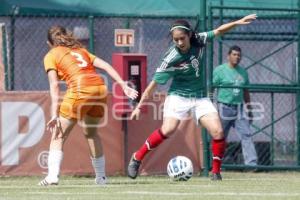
216, 177
101, 180
133, 167
47, 182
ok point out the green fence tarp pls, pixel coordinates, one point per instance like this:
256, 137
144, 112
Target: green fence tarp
130, 7
106, 7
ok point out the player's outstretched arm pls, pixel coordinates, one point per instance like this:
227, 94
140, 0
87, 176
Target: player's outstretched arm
54, 124
146, 95
128, 91
226, 27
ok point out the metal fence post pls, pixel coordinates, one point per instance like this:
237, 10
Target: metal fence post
206, 156
298, 92
12, 54
91, 34
4, 56
220, 41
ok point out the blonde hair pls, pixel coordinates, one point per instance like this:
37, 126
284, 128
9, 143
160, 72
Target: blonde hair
59, 36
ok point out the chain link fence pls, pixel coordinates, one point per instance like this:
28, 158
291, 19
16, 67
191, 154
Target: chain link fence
26, 43
269, 54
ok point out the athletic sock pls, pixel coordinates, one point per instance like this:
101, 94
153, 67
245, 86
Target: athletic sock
152, 141
55, 158
99, 166
218, 149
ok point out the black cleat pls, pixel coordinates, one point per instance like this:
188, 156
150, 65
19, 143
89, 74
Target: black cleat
133, 167
216, 177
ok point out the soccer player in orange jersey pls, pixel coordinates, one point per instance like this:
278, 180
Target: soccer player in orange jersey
84, 101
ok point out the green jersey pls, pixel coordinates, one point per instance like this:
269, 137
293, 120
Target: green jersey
184, 68
230, 76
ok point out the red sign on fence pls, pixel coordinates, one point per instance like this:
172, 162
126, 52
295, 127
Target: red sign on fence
124, 37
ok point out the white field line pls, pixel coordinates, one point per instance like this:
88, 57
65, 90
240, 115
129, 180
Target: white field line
68, 193
198, 179
214, 193
259, 194
94, 186
114, 183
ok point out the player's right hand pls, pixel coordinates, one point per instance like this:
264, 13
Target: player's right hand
135, 115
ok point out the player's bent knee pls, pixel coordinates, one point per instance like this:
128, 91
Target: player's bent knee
167, 132
218, 134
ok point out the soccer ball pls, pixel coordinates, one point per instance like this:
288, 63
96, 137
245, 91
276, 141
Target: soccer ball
180, 168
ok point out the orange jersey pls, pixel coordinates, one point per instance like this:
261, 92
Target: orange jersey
75, 66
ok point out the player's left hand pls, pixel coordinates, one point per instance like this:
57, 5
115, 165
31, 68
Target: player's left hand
54, 126
247, 19
135, 115
130, 92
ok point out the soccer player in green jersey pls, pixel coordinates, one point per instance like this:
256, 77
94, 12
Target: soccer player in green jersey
181, 63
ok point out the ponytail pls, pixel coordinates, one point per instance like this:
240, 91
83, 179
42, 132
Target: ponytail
59, 36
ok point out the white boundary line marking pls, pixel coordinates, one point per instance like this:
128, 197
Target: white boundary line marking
265, 194
214, 193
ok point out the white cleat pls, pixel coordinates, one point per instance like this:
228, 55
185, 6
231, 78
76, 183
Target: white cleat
46, 182
101, 180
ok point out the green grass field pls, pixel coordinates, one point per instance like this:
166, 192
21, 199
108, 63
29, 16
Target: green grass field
262, 186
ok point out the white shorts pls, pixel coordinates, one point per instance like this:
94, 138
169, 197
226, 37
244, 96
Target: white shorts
183, 108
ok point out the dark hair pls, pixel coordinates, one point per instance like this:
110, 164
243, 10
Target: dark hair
183, 25
59, 36
234, 48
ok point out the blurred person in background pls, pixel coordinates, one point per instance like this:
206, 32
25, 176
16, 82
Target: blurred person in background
234, 104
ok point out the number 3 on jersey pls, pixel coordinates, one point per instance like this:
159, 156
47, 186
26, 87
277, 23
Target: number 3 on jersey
79, 58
